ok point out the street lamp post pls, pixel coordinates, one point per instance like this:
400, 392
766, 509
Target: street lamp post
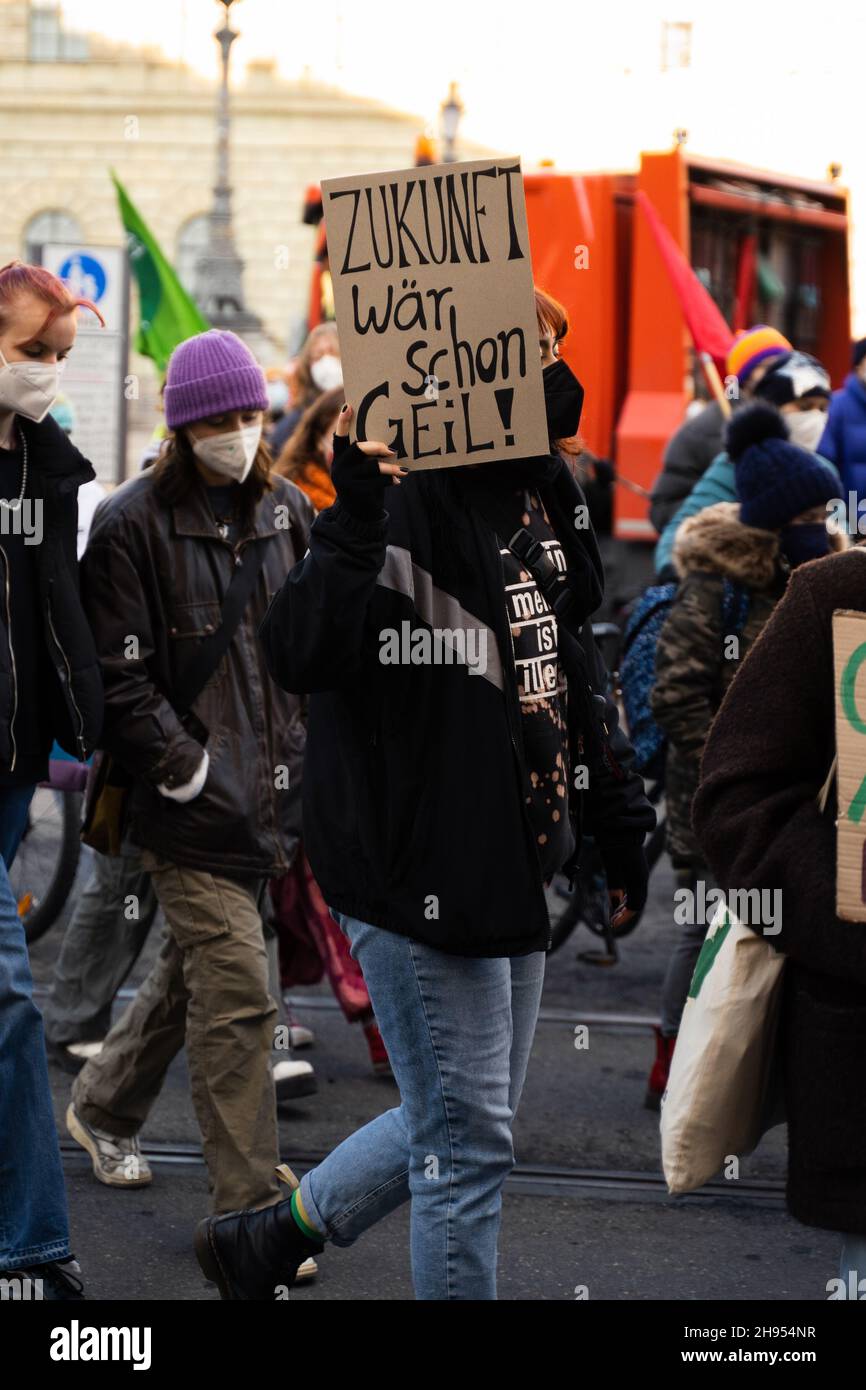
451, 111
219, 269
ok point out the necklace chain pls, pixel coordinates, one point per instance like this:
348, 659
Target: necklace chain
15, 506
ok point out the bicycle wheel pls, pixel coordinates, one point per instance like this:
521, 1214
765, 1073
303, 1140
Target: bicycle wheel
568, 919
45, 866
587, 903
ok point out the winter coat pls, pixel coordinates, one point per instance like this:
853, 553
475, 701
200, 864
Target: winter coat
73, 703
159, 573
688, 455
844, 439
415, 785
719, 484
757, 819
692, 668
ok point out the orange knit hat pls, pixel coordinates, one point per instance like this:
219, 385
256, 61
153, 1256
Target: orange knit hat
754, 345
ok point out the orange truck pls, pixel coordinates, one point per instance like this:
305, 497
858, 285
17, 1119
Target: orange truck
592, 249
769, 248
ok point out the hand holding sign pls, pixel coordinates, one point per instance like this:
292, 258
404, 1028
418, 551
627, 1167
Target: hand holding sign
434, 298
360, 472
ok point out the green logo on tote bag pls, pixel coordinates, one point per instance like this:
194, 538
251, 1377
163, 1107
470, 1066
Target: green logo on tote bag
709, 951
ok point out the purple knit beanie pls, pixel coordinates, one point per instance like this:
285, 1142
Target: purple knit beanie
210, 373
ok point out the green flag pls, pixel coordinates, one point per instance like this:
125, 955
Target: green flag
167, 313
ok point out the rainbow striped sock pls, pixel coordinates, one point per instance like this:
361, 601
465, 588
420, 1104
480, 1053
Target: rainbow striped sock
303, 1221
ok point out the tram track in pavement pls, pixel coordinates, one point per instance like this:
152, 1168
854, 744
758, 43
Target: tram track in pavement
527, 1179
607, 1021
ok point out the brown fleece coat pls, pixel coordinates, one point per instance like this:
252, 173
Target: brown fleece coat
759, 825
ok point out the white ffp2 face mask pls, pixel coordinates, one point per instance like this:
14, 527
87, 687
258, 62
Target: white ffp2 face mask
327, 372
232, 453
806, 427
29, 388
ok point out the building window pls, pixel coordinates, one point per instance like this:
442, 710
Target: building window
676, 46
49, 41
191, 242
51, 225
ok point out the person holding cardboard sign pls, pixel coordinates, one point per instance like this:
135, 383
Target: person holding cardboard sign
455, 754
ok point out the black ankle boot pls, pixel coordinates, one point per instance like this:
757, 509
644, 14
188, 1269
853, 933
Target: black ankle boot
248, 1254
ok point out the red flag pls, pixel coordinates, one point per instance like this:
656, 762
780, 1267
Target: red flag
746, 269
703, 318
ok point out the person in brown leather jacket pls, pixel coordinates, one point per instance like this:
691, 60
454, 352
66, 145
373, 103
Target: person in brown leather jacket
215, 801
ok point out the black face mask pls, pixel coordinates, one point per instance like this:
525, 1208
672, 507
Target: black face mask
807, 541
563, 400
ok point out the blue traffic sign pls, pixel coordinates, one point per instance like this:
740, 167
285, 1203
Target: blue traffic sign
85, 276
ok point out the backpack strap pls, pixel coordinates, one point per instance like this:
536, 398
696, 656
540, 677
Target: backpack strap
196, 669
550, 580
560, 597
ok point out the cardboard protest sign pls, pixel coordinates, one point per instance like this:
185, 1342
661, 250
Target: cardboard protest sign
433, 294
849, 662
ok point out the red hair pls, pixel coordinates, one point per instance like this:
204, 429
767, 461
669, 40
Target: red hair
551, 315
17, 278
552, 318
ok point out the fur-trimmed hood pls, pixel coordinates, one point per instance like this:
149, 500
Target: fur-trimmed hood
716, 539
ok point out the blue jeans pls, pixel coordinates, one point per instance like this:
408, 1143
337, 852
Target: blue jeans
14, 806
853, 1260
33, 1226
459, 1033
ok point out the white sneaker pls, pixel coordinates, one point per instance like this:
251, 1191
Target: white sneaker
73, 1056
116, 1162
85, 1050
299, 1034
293, 1079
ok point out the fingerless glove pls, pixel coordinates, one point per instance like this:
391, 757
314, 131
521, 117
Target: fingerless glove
359, 484
626, 867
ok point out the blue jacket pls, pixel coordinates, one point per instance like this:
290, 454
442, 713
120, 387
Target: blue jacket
844, 439
718, 484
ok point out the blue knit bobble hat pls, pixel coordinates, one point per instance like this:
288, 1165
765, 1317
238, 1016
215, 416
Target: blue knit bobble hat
776, 480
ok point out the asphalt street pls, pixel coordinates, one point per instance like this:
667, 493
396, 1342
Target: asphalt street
586, 1214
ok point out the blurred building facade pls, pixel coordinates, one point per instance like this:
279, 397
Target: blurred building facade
74, 105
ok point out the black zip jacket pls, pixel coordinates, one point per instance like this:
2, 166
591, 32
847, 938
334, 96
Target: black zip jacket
73, 700
414, 782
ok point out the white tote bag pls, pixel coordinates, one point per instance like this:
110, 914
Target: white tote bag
723, 1091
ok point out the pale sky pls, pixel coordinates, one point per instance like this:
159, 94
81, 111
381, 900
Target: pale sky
774, 85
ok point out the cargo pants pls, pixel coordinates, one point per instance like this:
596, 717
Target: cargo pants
209, 989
